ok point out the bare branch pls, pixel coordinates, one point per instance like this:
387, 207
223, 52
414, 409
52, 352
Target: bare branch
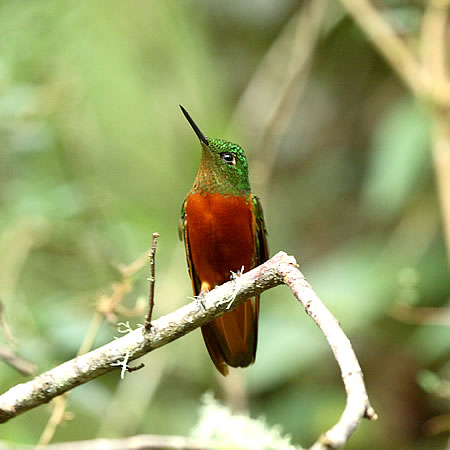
421, 315
427, 77
106, 308
281, 269
4, 327
151, 299
358, 405
433, 44
306, 35
267, 105
20, 364
396, 52
441, 161
58, 416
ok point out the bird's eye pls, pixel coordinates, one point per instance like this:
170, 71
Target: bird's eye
228, 158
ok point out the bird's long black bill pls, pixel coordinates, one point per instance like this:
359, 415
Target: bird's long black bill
200, 135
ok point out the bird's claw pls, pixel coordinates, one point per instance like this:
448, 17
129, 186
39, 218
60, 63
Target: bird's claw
235, 277
200, 299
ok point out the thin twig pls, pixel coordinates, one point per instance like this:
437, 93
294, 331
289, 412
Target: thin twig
432, 41
20, 364
5, 327
8, 355
421, 315
105, 309
434, 52
427, 77
134, 368
437, 425
151, 296
358, 405
59, 405
281, 269
397, 53
441, 161
269, 101
306, 36
91, 334
57, 417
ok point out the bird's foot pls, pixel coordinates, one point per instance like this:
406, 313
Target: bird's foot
237, 274
235, 277
200, 299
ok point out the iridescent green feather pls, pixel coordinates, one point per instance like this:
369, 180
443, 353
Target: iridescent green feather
216, 176
182, 229
262, 248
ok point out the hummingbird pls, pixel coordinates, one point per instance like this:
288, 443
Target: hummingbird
223, 228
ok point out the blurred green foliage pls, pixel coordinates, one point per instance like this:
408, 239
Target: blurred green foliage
95, 156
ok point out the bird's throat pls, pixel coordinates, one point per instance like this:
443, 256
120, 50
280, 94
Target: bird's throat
212, 179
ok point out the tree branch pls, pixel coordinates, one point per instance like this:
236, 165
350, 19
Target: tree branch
151, 300
427, 77
394, 50
281, 269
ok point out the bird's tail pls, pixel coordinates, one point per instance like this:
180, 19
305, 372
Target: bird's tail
231, 339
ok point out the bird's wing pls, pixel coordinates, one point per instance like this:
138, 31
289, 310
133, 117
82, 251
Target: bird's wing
262, 248
262, 255
183, 235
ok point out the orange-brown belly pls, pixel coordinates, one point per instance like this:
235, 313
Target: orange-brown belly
221, 236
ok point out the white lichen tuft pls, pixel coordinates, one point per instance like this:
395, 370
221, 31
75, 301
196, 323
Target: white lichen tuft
224, 430
123, 364
126, 327
236, 277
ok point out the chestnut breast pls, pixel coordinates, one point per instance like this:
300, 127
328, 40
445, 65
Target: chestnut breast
221, 235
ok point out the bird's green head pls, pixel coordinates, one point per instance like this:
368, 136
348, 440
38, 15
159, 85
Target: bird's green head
223, 166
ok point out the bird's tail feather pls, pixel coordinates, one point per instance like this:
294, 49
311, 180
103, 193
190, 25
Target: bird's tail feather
231, 339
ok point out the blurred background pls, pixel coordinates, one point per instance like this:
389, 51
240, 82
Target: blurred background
95, 156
